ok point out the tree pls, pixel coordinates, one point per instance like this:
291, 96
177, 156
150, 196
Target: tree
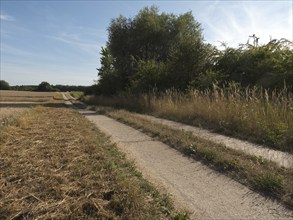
146, 46
268, 65
44, 87
150, 75
109, 81
4, 85
188, 54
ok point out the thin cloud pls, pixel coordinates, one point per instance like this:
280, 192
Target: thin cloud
235, 22
6, 18
7, 49
75, 40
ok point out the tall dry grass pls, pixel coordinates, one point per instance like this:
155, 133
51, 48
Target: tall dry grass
258, 115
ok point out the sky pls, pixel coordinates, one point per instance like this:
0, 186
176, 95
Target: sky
60, 41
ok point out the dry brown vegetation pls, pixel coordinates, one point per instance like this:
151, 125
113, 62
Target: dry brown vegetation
54, 164
257, 115
261, 175
9, 114
25, 96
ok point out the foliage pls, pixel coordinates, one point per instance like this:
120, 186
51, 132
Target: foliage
4, 85
44, 87
268, 66
150, 75
160, 51
150, 51
110, 81
58, 87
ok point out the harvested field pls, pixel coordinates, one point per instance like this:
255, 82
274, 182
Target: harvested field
54, 164
25, 96
10, 112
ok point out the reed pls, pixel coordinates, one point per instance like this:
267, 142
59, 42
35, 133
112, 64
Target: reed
253, 114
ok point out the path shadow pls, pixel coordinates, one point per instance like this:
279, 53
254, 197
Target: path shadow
89, 113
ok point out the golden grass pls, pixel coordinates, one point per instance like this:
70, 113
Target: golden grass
6, 112
8, 115
255, 172
252, 114
57, 165
15, 93
25, 96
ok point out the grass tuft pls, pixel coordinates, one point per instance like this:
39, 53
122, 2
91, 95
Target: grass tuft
269, 183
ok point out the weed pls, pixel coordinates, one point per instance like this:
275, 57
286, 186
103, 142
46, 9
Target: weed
269, 183
181, 216
208, 154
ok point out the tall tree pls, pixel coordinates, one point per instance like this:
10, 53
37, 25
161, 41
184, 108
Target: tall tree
155, 41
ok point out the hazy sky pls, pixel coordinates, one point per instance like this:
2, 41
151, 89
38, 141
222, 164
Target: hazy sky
59, 41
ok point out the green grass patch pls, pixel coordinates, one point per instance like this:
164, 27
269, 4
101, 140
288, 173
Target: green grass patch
77, 94
269, 183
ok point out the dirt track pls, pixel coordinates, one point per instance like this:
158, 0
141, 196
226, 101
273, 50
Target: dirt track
206, 193
281, 158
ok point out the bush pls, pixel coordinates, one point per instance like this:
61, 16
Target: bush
4, 85
45, 87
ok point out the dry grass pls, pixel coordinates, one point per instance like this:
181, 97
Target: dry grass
55, 164
259, 174
9, 114
25, 96
252, 114
6, 112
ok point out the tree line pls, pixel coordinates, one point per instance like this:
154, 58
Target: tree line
161, 51
44, 87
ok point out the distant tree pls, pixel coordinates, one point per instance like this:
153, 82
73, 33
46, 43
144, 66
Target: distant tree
4, 85
44, 86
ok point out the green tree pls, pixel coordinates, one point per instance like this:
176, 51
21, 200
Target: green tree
188, 55
150, 75
4, 85
109, 81
137, 47
44, 87
268, 65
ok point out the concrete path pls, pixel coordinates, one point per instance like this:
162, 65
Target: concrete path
281, 158
206, 193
